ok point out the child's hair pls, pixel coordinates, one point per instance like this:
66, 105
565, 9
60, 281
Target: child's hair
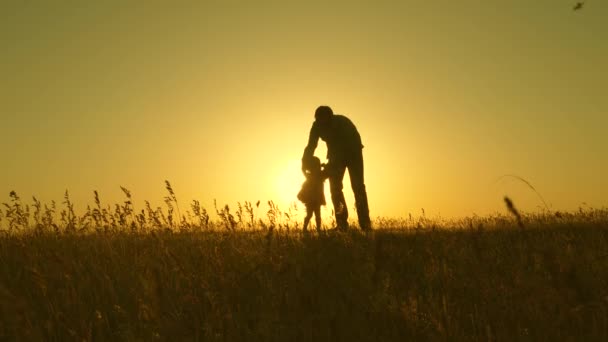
314, 164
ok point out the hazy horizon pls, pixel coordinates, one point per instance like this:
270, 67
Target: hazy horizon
219, 98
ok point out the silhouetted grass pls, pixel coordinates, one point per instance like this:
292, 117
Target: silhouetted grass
116, 274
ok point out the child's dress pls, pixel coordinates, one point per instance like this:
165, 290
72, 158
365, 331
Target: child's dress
312, 194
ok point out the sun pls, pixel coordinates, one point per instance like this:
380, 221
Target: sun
288, 181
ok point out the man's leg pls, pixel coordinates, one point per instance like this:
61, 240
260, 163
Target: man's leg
336, 175
355, 170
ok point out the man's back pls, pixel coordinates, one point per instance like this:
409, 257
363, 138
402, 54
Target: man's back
338, 132
341, 137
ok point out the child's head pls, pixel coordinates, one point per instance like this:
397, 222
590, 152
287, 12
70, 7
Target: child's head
314, 164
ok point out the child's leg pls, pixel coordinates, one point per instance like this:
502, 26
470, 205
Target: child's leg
318, 218
309, 212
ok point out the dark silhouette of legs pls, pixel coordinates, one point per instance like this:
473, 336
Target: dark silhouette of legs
318, 218
355, 171
337, 195
309, 212
354, 164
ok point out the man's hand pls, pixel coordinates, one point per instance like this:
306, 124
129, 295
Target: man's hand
305, 164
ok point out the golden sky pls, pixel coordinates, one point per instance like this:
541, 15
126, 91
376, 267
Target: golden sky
218, 97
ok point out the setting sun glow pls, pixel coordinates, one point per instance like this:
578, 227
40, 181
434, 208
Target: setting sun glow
219, 99
288, 181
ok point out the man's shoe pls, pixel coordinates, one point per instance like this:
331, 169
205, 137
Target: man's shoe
365, 224
340, 228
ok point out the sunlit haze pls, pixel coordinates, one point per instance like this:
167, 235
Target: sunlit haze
219, 97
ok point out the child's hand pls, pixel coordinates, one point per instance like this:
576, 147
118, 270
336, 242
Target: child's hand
305, 164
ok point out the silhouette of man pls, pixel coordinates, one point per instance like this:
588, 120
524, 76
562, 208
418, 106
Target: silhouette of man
344, 151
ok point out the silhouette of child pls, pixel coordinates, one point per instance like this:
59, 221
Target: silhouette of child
311, 193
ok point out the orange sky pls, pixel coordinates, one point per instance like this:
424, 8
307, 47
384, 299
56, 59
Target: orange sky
218, 98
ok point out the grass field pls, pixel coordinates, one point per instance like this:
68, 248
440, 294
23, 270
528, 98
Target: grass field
117, 274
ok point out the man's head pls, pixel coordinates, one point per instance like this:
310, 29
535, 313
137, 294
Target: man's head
323, 114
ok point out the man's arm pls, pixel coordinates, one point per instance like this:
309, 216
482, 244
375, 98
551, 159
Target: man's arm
313, 141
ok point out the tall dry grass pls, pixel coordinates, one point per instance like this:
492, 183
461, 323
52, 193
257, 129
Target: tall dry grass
248, 274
